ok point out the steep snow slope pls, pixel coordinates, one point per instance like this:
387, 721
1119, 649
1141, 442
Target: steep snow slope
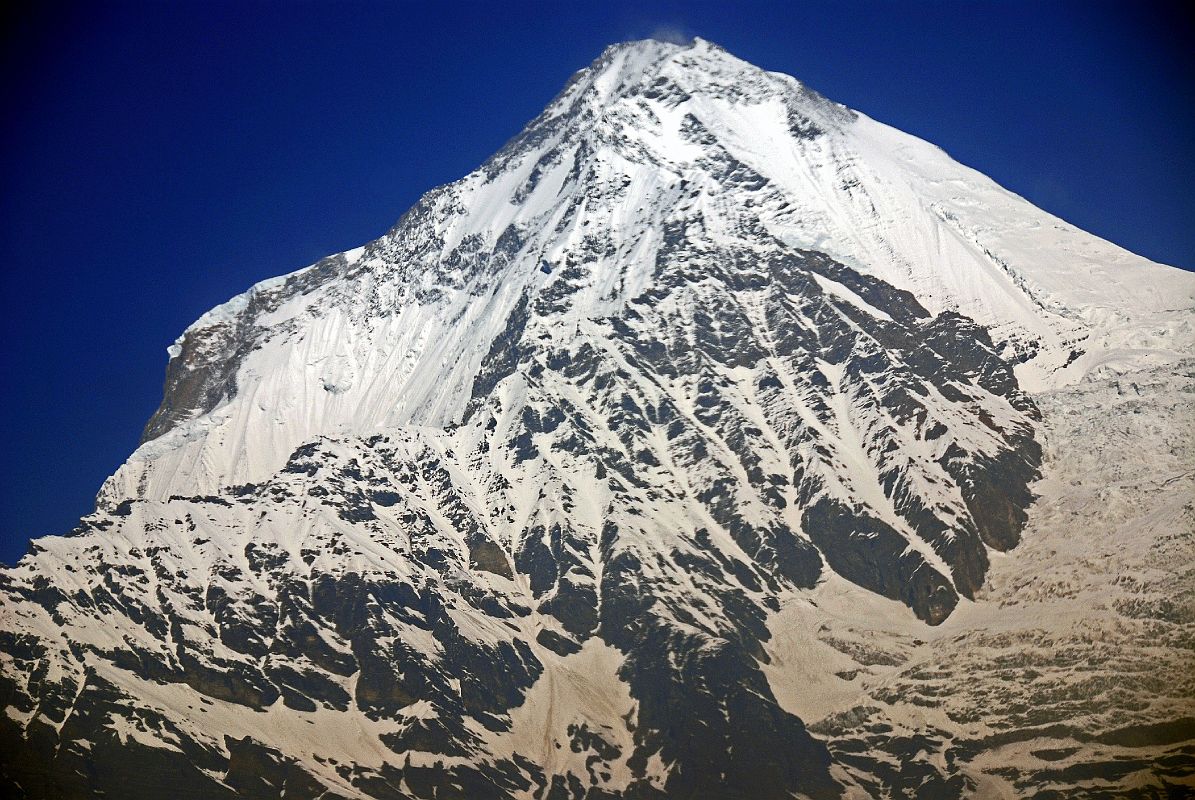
394, 333
705, 407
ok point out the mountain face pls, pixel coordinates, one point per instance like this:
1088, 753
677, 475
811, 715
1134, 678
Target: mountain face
710, 440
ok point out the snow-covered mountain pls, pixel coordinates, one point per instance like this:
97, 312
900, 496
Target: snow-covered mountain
710, 440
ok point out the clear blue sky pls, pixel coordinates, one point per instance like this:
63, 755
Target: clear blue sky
158, 158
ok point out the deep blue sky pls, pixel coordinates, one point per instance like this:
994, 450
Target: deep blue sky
157, 158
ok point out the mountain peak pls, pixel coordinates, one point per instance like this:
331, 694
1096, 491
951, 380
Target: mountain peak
652, 137
639, 62
695, 411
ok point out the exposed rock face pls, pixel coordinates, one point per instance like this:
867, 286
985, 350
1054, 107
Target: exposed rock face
543, 494
1072, 675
